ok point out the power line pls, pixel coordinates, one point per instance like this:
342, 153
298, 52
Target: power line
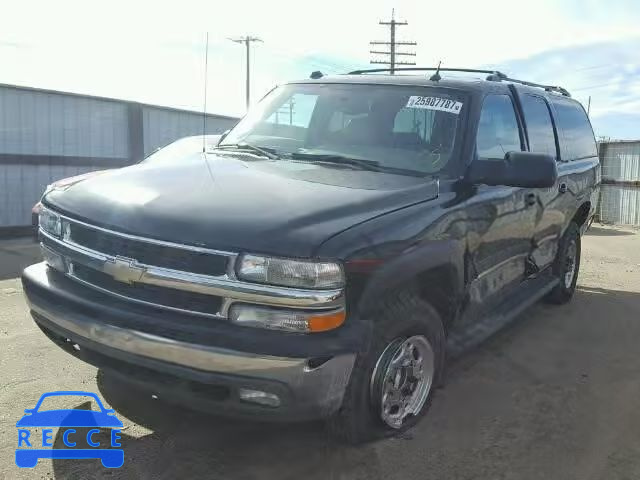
246, 40
323, 65
620, 83
392, 44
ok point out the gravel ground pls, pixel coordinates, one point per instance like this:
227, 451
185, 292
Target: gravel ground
553, 396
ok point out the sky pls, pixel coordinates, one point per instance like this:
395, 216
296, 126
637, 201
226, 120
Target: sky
154, 52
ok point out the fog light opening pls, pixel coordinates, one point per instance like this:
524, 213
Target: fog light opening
259, 397
53, 259
317, 362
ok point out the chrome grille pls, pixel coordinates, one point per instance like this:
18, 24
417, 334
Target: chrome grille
159, 296
168, 275
186, 260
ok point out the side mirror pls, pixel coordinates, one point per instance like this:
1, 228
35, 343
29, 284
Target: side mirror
222, 137
517, 169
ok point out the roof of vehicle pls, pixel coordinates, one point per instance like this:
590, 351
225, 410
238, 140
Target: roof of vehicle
422, 80
467, 83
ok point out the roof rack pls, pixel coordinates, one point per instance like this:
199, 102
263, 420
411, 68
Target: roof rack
427, 69
548, 88
493, 75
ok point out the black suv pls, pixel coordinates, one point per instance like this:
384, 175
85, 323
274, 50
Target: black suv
330, 252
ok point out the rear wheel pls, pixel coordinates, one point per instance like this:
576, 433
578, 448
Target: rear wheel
566, 266
392, 383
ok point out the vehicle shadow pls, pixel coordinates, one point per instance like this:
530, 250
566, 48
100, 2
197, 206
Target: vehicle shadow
166, 441
161, 440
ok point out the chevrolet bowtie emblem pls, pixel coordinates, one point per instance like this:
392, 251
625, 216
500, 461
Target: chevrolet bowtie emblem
124, 270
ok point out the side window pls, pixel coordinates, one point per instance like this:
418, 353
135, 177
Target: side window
539, 126
498, 131
576, 139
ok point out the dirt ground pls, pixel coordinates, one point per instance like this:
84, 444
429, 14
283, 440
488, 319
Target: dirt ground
556, 396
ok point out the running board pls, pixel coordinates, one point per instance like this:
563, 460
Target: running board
460, 341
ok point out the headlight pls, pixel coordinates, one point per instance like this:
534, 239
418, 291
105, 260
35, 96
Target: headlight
50, 222
290, 273
287, 320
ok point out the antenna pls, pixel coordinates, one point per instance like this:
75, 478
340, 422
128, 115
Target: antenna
436, 76
204, 108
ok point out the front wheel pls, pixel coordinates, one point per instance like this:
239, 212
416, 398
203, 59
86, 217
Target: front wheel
566, 266
392, 383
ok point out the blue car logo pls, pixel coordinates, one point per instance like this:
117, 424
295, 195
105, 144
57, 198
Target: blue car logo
27, 457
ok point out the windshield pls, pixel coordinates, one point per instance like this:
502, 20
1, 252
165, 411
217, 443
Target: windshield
408, 129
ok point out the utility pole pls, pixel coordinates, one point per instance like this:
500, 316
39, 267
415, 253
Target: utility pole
247, 43
589, 106
392, 43
286, 111
291, 105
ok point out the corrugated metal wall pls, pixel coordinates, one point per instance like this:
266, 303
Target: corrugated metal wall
46, 136
620, 191
162, 126
22, 185
40, 123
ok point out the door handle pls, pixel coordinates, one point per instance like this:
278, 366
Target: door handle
530, 199
562, 188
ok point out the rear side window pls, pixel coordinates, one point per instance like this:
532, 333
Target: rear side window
498, 131
539, 126
576, 136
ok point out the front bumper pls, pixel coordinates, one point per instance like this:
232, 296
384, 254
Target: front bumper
199, 373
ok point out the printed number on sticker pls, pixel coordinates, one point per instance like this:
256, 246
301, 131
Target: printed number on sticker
434, 103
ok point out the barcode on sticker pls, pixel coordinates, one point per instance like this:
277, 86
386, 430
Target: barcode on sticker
435, 103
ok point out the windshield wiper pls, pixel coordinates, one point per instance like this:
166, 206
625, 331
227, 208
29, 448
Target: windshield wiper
246, 146
369, 165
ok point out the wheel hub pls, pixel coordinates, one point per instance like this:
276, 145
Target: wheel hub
402, 379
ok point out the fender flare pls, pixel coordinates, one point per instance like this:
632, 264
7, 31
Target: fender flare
419, 260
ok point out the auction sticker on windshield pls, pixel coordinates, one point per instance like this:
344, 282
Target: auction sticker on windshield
434, 103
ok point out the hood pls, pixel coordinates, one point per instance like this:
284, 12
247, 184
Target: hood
224, 202
62, 184
67, 182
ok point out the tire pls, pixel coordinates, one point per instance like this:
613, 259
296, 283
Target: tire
402, 318
563, 292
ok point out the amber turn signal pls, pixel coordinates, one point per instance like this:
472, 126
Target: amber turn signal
322, 323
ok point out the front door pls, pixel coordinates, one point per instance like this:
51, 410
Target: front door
501, 218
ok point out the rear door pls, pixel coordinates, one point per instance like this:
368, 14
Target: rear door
578, 168
548, 208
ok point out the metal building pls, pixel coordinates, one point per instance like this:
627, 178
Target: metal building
48, 135
620, 191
